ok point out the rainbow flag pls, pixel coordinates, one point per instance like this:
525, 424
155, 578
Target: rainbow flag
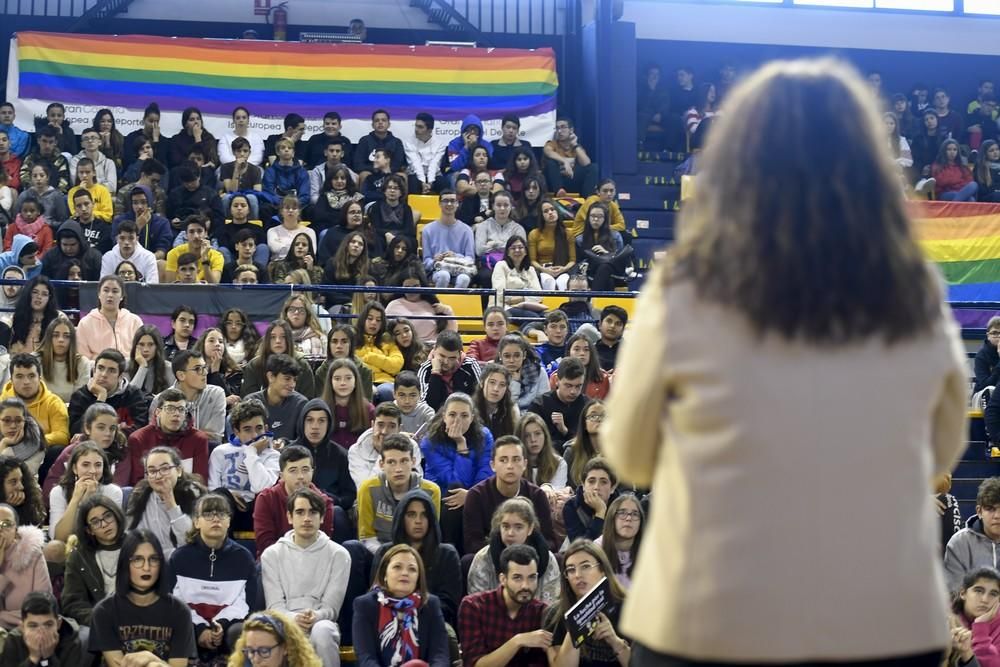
273, 78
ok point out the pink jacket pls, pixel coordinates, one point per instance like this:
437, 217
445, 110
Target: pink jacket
986, 642
95, 334
23, 570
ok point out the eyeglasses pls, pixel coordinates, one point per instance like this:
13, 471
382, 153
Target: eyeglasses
296, 310
173, 409
200, 369
262, 651
12, 421
449, 202
159, 472
215, 516
583, 569
993, 334
141, 561
6, 525
595, 418
627, 515
105, 519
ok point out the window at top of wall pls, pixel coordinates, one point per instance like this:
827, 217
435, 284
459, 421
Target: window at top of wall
918, 5
982, 7
861, 4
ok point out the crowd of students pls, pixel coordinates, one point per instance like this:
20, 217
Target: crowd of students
245, 208
401, 487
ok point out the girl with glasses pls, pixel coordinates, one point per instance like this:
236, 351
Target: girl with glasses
215, 578
92, 563
622, 536
587, 443
162, 503
159, 625
271, 639
22, 565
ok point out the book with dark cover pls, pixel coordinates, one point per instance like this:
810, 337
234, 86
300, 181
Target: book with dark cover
581, 619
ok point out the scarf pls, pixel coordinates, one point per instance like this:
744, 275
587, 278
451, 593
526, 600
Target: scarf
392, 216
29, 228
397, 628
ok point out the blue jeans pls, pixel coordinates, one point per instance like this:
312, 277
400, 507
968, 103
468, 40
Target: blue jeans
966, 193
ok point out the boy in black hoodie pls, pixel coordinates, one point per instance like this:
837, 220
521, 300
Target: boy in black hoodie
43, 637
331, 474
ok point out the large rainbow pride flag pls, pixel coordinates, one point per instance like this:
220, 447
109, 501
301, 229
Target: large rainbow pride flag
274, 77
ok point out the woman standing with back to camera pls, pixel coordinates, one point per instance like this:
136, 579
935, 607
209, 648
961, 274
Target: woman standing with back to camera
802, 342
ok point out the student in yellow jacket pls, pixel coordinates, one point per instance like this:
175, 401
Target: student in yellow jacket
374, 348
606, 192
48, 409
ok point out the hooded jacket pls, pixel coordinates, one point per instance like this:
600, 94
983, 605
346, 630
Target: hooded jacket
94, 333
88, 256
367, 145
69, 651
483, 572
331, 472
281, 179
83, 585
157, 234
31, 448
458, 155
48, 410
20, 141
314, 577
190, 443
23, 571
129, 402
12, 256
377, 507
363, 459
441, 562
435, 389
967, 550
217, 585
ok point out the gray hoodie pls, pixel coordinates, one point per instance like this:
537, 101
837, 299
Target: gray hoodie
967, 550
297, 579
363, 459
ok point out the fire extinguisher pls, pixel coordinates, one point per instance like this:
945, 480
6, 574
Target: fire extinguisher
279, 21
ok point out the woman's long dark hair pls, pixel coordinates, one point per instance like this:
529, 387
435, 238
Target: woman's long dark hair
795, 256
32, 511
292, 260
133, 540
48, 357
609, 534
602, 235
84, 539
560, 252
502, 421
983, 175
158, 364
416, 353
584, 447
533, 169
525, 263
20, 325
592, 367
555, 614
438, 435
249, 335
414, 272
380, 335
186, 491
330, 173
68, 480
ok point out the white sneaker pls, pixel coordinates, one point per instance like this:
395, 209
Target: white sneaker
925, 185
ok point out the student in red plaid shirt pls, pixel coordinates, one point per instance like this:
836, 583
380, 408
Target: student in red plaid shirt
503, 626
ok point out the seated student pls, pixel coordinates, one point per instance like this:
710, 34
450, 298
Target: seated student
22, 438
96, 231
187, 270
331, 157
241, 130
561, 407
108, 385
605, 194
413, 350
240, 220
379, 137
987, 363
206, 404
556, 329
491, 235
457, 450
277, 339
192, 197
503, 147
545, 468
622, 536
163, 501
286, 177
584, 514
215, 577
331, 474
106, 173
598, 380
611, 326
182, 324
147, 173
972, 547
552, 248
528, 208
448, 247
22, 565
72, 244
48, 156
31, 224
503, 626
48, 409
100, 196
478, 206
305, 574
415, 414
307, 333
279, 237
170, 427
374, 182
153, 231
375, 348
43, 637
283, 404
210, 260
399, 620
528, 380
419, 305
330, 211
318, 145
99, 528
953, 178
52, 201
424, 154
241, 175
604, 250
278, 637
987, 172
128, 249
247, 464
494, 401
340, 345
447, 370
514, 272
477, 165
364, 456
509, 463
495, 324
23, 254
974, 609
294, 127
142, 623
342, 392
568, 168
64, 370
470, 137
20, 141
244, 270
949, 120
301, 255
379, 495
87, 473
587, 443
391, 215
584, 565
270, 511
515, 522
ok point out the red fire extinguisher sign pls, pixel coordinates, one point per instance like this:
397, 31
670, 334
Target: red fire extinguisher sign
261, 7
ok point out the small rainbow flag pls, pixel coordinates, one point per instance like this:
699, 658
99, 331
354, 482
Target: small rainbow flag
275, 77
964, 241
